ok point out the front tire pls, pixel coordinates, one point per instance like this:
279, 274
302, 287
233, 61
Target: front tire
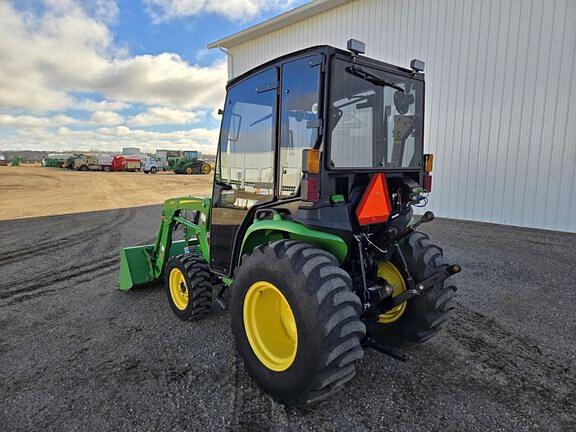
423, 316
297, 303
153, 170
188, 287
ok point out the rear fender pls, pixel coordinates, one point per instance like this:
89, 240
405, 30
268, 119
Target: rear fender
266, 231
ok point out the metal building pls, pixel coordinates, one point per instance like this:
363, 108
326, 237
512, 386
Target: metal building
501, 93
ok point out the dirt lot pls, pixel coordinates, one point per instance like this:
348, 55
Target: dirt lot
76, 354
29, 191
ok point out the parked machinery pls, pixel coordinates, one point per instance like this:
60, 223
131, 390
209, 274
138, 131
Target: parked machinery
152, 164
189, 163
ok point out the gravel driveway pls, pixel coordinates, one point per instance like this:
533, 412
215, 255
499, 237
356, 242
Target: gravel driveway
76, 354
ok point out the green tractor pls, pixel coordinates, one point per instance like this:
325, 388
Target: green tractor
309, 237
189, 163
16, 161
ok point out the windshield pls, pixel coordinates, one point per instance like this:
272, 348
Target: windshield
375, 119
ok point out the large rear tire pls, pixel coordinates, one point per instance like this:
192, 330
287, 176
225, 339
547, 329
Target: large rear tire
296, 321
188, 287
423, 316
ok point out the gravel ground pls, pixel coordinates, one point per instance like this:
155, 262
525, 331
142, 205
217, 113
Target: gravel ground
76, 354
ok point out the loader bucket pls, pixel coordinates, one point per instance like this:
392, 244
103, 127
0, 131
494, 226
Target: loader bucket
135, 267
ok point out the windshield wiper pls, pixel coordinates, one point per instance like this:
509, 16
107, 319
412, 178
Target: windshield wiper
370, 77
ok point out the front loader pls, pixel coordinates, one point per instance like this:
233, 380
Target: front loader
310, 225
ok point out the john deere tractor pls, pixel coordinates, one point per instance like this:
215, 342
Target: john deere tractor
189, 163
310, 227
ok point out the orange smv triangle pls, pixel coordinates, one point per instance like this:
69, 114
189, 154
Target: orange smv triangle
375, 206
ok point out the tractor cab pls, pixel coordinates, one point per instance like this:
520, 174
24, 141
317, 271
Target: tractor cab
303, 135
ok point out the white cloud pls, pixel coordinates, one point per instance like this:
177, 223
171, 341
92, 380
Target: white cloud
163, 115
234, 10
106, 118
104, 105
116, 131
112, 139
104, 10
53, 57
48, 57
27, 121
163, 79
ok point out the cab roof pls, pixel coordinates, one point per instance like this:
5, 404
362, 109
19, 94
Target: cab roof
328, 51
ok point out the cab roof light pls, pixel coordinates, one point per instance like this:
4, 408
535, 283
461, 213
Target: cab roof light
417, 65
356, 47
375, 205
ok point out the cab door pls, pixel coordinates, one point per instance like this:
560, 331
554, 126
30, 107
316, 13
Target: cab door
244, 174
300, 116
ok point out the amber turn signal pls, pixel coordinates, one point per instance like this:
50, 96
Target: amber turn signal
428, 162
311, 161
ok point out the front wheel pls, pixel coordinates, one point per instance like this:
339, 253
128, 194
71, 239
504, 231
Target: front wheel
420, 318
153, 170
296, 321
188, 286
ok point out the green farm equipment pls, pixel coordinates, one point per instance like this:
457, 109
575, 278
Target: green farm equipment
16, 161
52, 163
310, 226
189, 163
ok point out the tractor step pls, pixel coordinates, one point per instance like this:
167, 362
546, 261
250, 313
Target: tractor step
220, 298
388, 350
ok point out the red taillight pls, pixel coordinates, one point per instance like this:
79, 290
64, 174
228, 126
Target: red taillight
310, 188
427, 182
375, 206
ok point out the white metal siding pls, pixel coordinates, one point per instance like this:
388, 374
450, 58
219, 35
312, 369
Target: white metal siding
501, 96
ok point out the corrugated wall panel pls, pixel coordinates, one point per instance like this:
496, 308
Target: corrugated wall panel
501, 96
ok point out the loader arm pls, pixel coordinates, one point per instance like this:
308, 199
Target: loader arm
142, 265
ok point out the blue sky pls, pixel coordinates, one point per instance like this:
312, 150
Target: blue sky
106, 74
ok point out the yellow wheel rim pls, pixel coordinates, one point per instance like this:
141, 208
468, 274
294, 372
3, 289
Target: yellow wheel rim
205, 169
178, 288
270, 326
188, 170
389, 272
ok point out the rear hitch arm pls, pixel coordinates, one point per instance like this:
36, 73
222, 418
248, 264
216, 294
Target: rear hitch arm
394, 235
429, 282
414, 290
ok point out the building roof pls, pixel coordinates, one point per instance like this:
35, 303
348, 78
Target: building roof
305, 11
